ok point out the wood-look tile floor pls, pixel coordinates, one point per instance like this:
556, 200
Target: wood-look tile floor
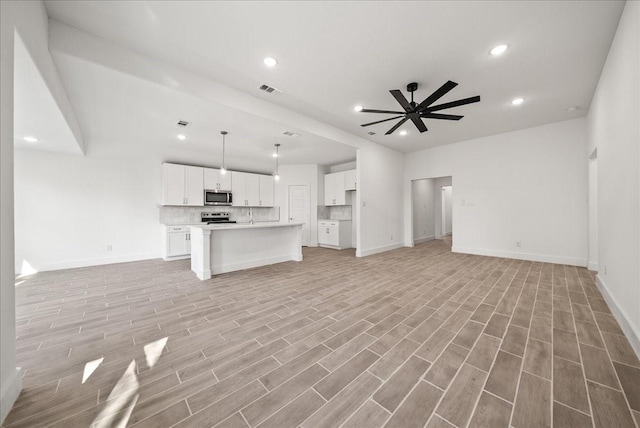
410, 338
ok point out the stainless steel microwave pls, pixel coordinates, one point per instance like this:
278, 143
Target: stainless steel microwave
218, 197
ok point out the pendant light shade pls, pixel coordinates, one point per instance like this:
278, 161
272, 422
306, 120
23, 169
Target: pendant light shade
276, 175
223, 169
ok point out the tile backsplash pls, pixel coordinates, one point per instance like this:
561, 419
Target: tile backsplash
341, 212
191, 215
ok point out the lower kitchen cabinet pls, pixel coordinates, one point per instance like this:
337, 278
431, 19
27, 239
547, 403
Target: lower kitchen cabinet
176, 242
334, 234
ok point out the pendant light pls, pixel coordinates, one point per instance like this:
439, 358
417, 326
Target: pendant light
276, 176
223, 169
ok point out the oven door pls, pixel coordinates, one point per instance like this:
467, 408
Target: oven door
211, 197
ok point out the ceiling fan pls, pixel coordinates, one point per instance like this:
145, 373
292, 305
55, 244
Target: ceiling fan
425, 110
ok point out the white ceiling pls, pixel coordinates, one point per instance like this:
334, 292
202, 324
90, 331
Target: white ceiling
334, 55
36, 113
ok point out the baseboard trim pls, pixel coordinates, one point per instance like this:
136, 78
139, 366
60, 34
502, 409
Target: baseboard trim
72, 264
377, 250
593, 266
232, 267
9, 393
522, 256
424, 239
627, 328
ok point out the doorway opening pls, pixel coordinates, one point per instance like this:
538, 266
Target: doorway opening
300, 209
432, 209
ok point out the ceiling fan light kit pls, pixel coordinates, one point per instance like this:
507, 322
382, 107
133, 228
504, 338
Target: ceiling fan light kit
425, 110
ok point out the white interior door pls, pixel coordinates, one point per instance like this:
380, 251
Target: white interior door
300, 209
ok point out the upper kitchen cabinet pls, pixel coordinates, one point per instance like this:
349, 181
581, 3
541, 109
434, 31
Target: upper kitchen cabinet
182, 185
350, 182
267, 191
334, 189
215, 180
252, 190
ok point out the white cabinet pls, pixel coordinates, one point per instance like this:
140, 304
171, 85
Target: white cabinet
334, 191
182, 185
239, 189
252, 190
246, 189
177, 242
350, 182
266, 191
334, 234
215, 180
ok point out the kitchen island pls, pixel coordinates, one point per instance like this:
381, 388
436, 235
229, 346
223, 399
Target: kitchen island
220, 248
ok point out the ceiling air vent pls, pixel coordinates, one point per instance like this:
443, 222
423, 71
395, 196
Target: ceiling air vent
290, 134
371, 133
269, 89
183, 123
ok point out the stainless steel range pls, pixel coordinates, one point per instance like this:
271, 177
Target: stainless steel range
216, 218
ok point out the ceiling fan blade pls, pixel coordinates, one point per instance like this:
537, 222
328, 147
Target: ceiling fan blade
453, 104
441, 116
366, 110
397, 94
396, 126
417, 121
380, 121
439, 93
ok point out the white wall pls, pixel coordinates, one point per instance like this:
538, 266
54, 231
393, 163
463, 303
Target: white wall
439, 183
614, 130
299, 174
379, 197
528, 185
423, 205
593, 212
447, 195
29, 20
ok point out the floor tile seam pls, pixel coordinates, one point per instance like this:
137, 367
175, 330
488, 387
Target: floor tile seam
351, 358
489, 372
286, 403
266, 391
572, 408
517, 390
399, 406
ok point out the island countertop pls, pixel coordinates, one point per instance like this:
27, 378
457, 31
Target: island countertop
235, 226
228, 247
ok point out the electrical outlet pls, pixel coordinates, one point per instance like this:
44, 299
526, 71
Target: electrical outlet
364, 204
518, 244
109, 247
392, 237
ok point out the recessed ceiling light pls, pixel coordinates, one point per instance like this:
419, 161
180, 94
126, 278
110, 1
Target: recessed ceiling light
358, 108
31, 139
499, 50
517, 101
573, 108
403, 132
275, 155
270, 62
182, 137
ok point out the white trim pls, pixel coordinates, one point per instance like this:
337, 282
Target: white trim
572, 261
593, 266
377, 250
71, 264
232, 267
424, 239
10, 392
172, 258
627, 328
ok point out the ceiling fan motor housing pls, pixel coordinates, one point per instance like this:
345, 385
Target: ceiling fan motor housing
411, 87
